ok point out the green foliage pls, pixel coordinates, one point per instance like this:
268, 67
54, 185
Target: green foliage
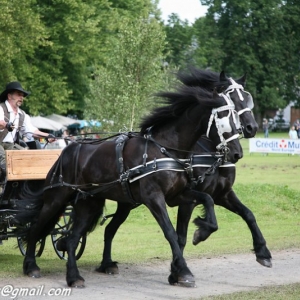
74, 34
121, 89
258, 37
21, 32
51, 46
254, 37
179, 49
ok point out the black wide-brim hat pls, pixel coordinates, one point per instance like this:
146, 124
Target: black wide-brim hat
12, 86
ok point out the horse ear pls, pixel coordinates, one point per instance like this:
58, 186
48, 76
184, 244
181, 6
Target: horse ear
242, 80
223, 76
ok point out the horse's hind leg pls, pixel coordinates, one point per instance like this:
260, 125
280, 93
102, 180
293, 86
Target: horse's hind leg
45, 223
232, 203
87, 213
107, 265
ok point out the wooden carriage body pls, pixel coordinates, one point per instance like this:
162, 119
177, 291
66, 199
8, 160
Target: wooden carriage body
30, 164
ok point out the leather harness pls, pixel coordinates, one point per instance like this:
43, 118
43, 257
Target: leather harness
170, 163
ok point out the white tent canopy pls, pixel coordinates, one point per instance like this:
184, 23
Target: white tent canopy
66, 121
45, 123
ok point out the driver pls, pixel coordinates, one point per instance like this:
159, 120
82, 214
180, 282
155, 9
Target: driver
15, 123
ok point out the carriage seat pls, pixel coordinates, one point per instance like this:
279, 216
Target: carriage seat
30, 164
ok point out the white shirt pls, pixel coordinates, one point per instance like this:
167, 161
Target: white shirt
26, 130
293, 134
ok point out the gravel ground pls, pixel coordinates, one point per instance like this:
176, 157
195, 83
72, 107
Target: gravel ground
214, 276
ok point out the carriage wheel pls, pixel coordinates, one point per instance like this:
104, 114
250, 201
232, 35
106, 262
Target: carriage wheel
40, 245
61, 231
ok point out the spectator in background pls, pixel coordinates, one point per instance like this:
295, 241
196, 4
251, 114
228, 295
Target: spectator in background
297, 127
266, 128
293, 133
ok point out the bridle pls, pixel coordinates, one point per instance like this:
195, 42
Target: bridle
238, 87
223, 124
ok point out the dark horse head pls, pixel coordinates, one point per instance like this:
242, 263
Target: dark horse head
193, 111
234, 89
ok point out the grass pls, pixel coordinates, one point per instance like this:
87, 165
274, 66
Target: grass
274, 168
281, 292
266, 184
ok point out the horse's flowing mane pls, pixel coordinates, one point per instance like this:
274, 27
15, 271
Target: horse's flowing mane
205, 78
186, 97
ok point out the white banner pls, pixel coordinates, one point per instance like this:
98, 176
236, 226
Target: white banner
286, 146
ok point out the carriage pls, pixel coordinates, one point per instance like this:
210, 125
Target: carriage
29, 168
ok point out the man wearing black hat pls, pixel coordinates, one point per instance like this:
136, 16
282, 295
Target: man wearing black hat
14, 122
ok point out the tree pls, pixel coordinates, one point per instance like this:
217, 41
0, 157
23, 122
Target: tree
121, 89
21, 33
76, 33
259, 37
180, 49
51, 46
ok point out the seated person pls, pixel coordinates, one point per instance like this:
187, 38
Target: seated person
14, 122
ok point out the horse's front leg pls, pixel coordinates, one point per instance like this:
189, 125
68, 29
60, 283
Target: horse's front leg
232, 203
184, 214
87, 214
107, 265
180, 273
206, 224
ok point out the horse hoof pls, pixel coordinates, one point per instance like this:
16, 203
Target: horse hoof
112, 270
187, 281
34, 274
197, 238
78, 284
266, 262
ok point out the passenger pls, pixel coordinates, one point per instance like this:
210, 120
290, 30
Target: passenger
14, 122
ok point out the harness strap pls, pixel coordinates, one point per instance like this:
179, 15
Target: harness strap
211, 170
164, 151
120, 143
76, 163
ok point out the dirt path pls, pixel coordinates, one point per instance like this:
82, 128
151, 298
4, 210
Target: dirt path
218, 275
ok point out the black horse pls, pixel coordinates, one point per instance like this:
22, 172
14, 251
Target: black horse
218, 184
159, 155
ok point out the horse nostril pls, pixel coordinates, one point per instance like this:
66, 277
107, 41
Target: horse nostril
238, 156
249, 131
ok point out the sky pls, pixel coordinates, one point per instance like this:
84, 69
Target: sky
186, 9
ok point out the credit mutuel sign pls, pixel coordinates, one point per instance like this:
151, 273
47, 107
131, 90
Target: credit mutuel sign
286, 146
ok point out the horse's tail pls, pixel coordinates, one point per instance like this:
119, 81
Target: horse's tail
29, 201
